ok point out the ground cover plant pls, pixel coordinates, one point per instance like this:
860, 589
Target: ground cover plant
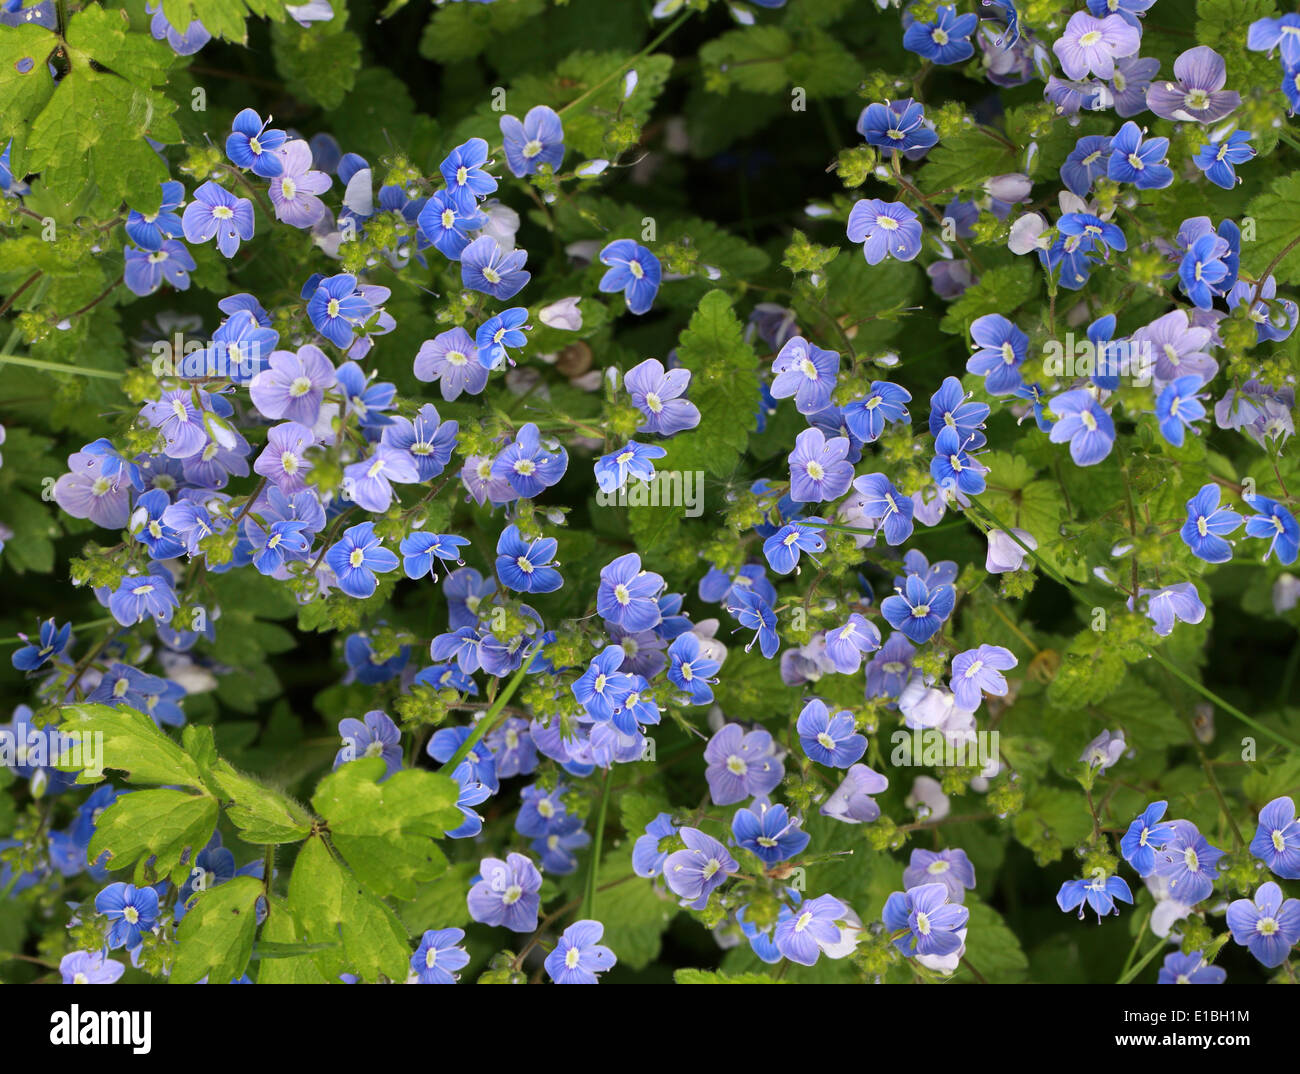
700, 491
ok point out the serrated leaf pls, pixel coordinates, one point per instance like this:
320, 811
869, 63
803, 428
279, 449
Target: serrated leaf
707, 977
332, 906
386, 831
168, 826
132, 744
215, 938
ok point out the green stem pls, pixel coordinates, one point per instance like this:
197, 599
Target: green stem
1137, 941
593, 868
489, 719
58, 367
1127, 978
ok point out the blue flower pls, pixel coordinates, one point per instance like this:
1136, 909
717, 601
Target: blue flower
647, 859
144, 596
1087, 162
614, 470
146, 269
602, 688
357, 557
951, 868
694, 873
506, 893
690, 670
1095, 233
918, 610
944, 41
634, 270
1208, 524
1203, 271
896, 125
978, 671
1178, 601
807, 372
783, 548
464, 172
490, 270
446, 222
1275, 524
952, 406
1268, 927
336, 306
439, 956
884, 402
1277, 839
921, 920
147, 231
830, 740
847, 644
497, 335
1189, 863
1100, 893
952, 468
420, 550
628, 596
131, 912
1083, 423
216, 211
53, 640
1189, 969
525, 566
1144, 837
769, 832
885, 229
1139, 162
1218, 161
579, 955
527, 465
482, 765
538, 140
375, 735
754, 613
1178, 407
251, 145
891, 510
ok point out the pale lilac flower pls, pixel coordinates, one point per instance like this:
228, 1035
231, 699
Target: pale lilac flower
293, 192
1091, 46
293, 385
1197, 94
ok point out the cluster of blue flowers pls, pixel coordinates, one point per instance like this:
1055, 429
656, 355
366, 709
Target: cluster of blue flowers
342, 469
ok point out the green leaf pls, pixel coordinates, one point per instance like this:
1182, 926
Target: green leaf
215, 938
91, 129
262, 814
991, 947
706, 977
386, 831
25, 85
634, 913
132, 744
963, 161
999, 290
461, 31
752, 59
332, 905
319, 62
164, 824
1277, 226
221, 18
280, 928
